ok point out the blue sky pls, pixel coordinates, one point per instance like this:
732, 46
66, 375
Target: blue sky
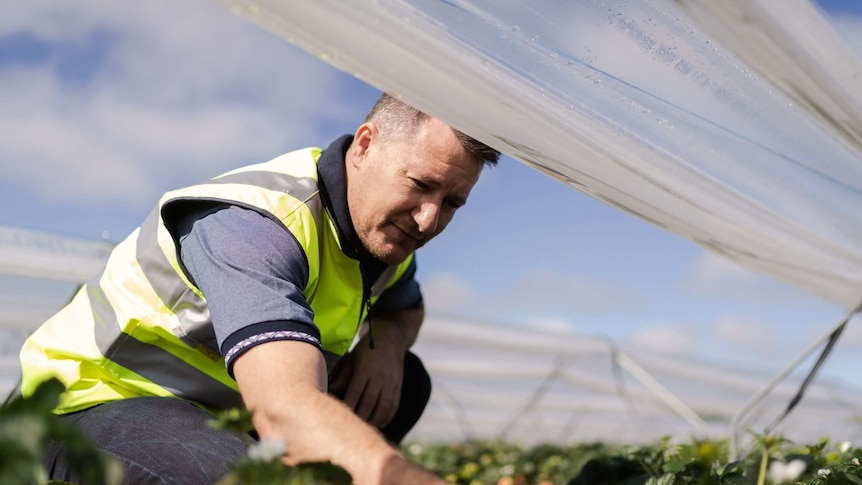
108, 104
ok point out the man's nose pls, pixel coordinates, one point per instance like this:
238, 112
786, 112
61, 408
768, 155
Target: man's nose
427, 216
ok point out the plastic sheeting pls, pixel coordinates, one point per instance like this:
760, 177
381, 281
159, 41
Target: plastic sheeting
723, 122
496, 381
34, 254
39, 273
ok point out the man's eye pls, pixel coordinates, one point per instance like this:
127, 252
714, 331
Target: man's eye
452, 204
420, 184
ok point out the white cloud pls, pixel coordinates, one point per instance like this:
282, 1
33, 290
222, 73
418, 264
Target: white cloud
743, 334
448, 293
553, 325
172, 93
675, 339
540, 298
728, 339
552, 291
63, 21
714, 275
711, 271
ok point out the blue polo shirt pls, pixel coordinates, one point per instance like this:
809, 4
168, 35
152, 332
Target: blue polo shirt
252, 272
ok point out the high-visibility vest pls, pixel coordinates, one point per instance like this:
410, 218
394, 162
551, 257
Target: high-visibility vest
141, 328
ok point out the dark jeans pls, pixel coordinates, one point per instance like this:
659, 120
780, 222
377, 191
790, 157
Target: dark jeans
167, 440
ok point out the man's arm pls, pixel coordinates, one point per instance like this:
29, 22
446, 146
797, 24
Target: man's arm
283, 384
231, 253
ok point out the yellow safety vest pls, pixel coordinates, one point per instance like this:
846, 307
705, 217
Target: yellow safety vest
141, 328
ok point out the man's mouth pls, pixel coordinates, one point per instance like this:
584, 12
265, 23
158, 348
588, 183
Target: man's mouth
414, 235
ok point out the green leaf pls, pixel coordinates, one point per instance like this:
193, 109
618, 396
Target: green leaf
666, 479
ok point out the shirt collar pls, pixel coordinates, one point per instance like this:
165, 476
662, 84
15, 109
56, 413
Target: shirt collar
333, 191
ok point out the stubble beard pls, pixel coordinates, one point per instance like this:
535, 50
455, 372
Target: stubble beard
388, 257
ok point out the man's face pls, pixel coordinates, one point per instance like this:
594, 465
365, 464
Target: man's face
403, 192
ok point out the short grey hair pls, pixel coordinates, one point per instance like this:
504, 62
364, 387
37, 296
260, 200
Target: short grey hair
397, 119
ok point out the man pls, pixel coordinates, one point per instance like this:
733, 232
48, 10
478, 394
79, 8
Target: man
249, 290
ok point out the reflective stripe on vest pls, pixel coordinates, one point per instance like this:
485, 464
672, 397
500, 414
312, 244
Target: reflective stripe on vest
141, 328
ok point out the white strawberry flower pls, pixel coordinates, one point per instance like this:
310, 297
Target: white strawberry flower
780, 472
266, 450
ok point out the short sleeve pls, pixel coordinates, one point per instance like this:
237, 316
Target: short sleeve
252, 272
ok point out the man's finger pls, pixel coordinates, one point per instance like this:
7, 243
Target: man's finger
369, 402
355, 391
341, 377
385, 410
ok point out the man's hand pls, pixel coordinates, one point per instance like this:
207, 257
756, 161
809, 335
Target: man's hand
282, 383
369, 381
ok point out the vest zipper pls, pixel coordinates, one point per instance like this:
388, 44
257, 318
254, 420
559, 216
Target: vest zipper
366, 303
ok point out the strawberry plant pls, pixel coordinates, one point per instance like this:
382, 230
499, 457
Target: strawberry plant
26, 425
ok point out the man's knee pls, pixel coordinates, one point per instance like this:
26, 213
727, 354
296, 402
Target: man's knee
417, 380
154, 439
415, 393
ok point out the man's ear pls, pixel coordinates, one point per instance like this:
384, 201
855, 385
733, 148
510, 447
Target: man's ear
362, 140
